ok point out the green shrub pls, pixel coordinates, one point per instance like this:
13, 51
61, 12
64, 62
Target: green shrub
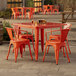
5, 13
29, 3
5, 34
48, 2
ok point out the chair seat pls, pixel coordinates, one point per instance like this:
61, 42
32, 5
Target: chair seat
20, 40
56, 37
53, 41
25, 36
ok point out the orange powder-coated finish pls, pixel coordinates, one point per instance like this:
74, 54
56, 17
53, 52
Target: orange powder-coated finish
56, 8
67, 26
37, 28
24, 36
17, 43
57, 43
16, 12
45, 9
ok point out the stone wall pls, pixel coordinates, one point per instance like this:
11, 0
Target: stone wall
3, 4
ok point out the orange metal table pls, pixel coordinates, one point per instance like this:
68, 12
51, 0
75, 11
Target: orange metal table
40, 27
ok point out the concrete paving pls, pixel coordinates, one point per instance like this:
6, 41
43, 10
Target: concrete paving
26, 67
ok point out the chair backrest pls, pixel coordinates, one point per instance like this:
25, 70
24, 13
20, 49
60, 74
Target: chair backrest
51, 7
56, 7
17, 29
64, 33
45, 7
33, 10
12, 10
10, 33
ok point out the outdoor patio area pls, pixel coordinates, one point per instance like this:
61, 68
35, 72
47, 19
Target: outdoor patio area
26, 67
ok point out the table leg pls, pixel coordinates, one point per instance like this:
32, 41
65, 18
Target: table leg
42, 39
36, 42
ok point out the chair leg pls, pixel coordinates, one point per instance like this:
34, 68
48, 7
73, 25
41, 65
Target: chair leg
44, 53
25, 15
33, 44
56, 57
8, 51
67, 54
44, 12
29, 15
15, 54
60, 49
53, 12
24, 47
21, 50
63, 52
57, 11
48, 49
30, 51
17, 51
56, 54
14, 16
68, 46
13, 50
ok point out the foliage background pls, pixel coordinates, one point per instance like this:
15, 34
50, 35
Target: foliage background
29, 3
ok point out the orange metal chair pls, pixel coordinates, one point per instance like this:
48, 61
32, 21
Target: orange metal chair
56, 8
25, 36
57, 44
16, 12
45, 9
51, 8
30, 12
67, 26
17, 43
40, 10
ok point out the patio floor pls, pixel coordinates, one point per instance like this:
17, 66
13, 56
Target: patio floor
26, 67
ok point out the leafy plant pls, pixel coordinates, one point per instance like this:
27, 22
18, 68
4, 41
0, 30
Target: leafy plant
5, 34
48, 2
5, 13
29, 3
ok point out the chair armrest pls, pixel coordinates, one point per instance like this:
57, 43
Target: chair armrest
50, 32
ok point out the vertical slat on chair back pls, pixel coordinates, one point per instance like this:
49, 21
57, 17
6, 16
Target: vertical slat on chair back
10, 33
44, 7
12, 10
15, 9
17, 29
33, 10
64, 33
